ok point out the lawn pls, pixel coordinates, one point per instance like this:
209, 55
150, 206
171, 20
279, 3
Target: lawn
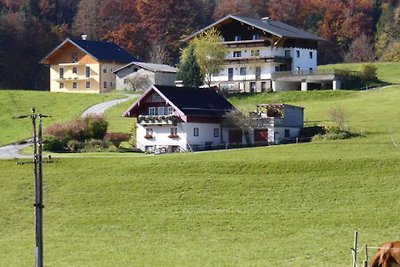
289, 205
386, 71
61, 106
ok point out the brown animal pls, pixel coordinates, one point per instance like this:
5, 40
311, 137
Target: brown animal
387, 255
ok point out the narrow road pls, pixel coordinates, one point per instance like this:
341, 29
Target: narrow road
100, 108
12, 151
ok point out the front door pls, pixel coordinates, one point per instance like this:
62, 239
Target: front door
261, 136
235, 136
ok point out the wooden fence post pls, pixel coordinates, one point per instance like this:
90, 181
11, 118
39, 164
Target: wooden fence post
366, 256
354, 249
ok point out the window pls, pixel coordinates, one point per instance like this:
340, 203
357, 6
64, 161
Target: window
243, 71
298, 53
126, 81
255, 53
61, 85
87, 72
74, 57
258, 73
87, 85
256, 36
111, 84
237, 53
135, 69
287, 133
104, 84
74, 85
277, 68
161, 111
311, 70
74, 70
238, 37
104, 69
152, 111
195, 131
170, 110
61, 73
287, 53
216, 132
311, 54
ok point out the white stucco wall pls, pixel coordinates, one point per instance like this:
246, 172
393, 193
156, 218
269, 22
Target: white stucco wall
185, 131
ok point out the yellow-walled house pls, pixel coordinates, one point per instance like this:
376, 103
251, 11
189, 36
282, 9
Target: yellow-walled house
85, 66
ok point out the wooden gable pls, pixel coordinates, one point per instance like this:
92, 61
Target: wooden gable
69, 53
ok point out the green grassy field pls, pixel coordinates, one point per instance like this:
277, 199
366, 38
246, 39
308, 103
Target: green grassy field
386, 71
288, 205
61, 106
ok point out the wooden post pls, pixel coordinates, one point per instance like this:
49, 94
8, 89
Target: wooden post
366, 256
355, 249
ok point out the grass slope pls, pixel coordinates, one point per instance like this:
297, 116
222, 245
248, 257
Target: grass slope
289, 205
386, 71
61, 106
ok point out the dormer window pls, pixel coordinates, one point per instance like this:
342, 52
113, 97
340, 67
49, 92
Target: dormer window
238, 38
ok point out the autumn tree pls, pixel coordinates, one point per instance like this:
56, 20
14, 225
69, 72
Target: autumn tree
189, 70
234, 7
168, 21
210, 53
360, 50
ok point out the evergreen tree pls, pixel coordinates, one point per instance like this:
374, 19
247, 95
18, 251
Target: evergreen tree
189, 71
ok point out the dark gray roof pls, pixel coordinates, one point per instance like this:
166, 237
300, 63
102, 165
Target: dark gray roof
191, 101
102, 51
276, 28
150, 67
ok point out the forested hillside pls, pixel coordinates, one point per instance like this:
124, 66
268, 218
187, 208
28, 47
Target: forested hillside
357, 30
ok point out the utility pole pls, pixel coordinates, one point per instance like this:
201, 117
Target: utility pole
38, 173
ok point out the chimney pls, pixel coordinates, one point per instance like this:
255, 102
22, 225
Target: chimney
84, 36
265, 19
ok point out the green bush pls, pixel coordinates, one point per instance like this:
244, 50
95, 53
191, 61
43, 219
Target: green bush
95, 145
51, 143
368, 72
97, 126
116, 138
75, 146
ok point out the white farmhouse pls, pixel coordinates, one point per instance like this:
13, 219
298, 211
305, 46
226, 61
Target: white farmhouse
140, 75
258, 48
173, 119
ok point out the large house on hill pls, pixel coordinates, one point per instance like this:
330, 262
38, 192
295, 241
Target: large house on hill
84, 66
259, 48
174, 119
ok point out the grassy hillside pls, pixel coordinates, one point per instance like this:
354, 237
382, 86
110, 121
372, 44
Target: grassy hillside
289, 205
386, 71
61, 106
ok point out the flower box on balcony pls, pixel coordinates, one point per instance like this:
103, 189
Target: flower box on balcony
173, 136
148, 136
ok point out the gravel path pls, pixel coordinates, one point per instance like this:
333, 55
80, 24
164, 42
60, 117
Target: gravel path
12, 151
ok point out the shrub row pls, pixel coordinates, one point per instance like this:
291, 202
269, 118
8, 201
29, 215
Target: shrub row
88, 134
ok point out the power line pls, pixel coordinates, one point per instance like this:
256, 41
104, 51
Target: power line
38, 173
